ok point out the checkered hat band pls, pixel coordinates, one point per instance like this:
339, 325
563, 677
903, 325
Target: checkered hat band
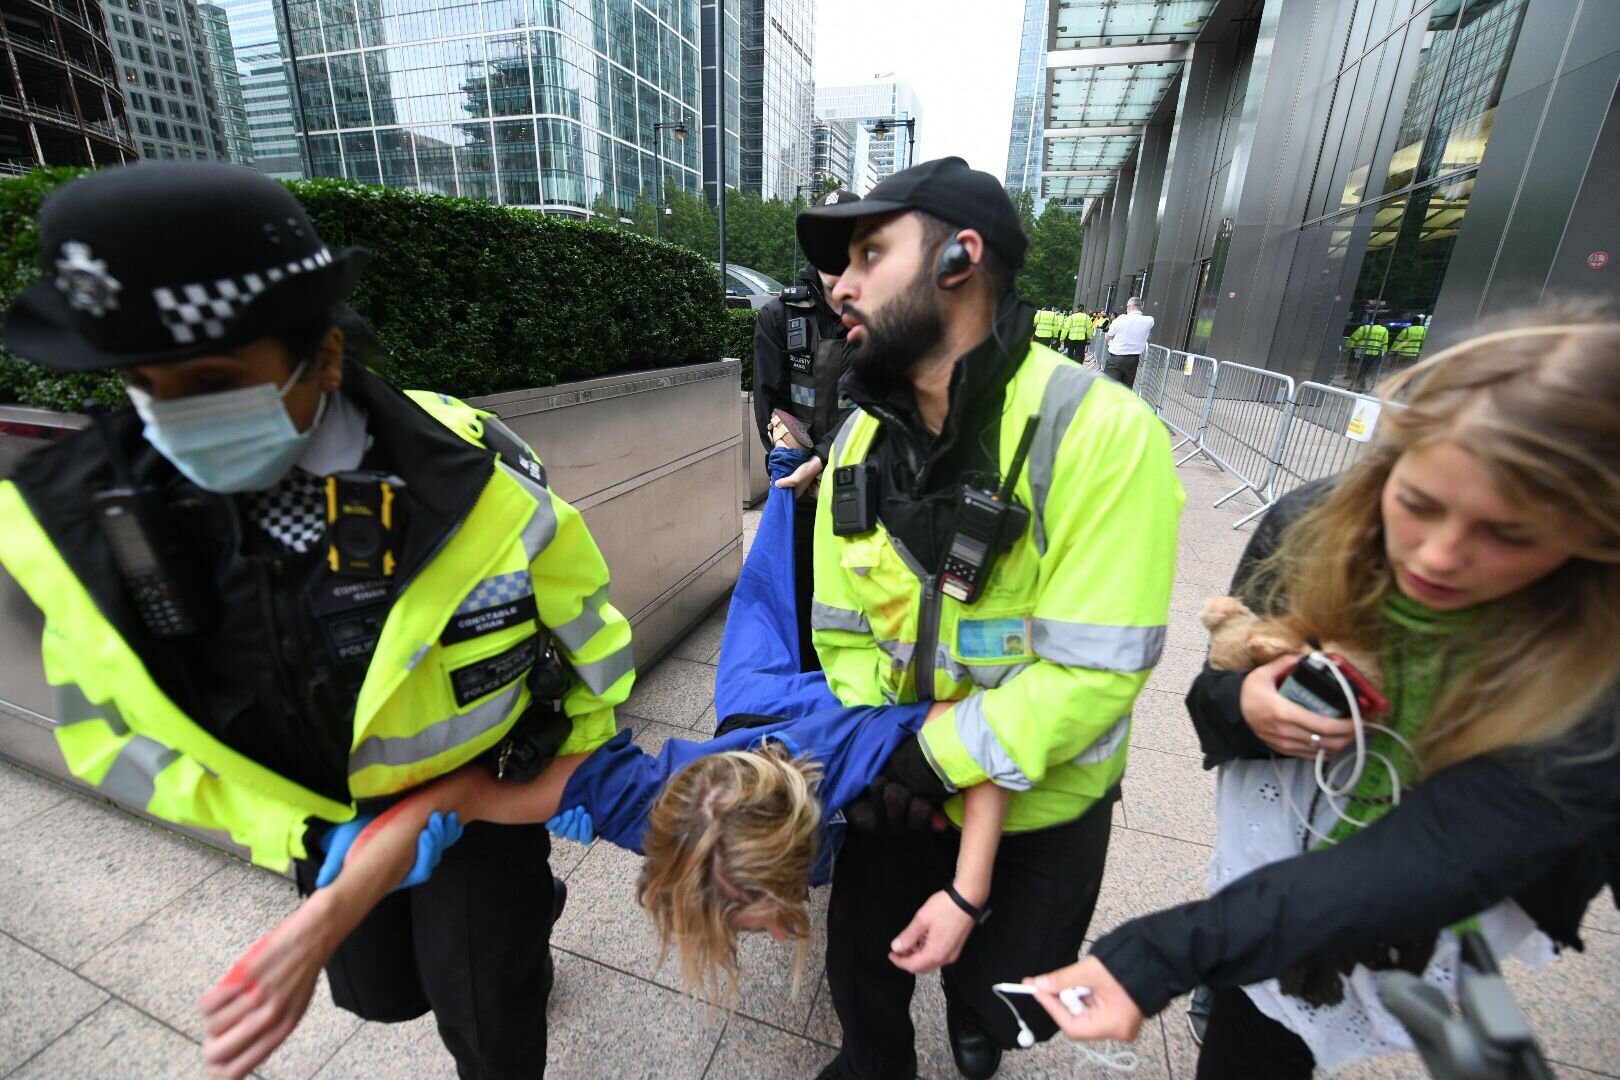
497, 590
203, 311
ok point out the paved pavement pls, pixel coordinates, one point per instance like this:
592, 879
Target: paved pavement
110, 927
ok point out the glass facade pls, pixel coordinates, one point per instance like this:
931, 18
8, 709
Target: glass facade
227, 83
729, 17
1394, 180
777, 96
265, 73
1029, 107
168, 82
858, 109
832, 156
550, 104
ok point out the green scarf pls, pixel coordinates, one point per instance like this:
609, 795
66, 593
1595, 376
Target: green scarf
1413, 677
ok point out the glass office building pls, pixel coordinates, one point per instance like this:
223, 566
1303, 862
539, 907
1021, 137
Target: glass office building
233, 120
776, 96
168, 81
1273, 176
265, 74
548, 104
832, 156
879, 150
1029, 107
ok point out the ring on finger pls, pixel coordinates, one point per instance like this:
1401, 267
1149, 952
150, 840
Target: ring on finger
1316, 740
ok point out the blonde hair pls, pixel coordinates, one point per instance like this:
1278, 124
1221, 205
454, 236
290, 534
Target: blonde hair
731, 832
1538, 404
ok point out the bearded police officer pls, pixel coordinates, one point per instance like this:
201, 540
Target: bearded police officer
279, 593
799, 358
999, 532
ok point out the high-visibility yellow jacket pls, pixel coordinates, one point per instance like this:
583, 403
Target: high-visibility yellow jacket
1045, 666
1409, 342
426, 706
1372, 338
1046, 323
1078, 326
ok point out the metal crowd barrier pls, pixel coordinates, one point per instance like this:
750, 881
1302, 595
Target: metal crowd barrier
1245, 425
1258, 425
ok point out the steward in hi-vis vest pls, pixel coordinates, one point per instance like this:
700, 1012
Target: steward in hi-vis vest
279, 593
999, 532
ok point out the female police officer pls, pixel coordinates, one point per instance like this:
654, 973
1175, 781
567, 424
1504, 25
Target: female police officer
279, 592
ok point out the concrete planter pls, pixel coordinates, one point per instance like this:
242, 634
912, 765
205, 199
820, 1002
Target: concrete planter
755, 479
652, 459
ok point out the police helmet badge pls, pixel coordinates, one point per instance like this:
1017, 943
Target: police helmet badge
84, 280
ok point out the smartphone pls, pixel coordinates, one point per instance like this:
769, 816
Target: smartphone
1310, 683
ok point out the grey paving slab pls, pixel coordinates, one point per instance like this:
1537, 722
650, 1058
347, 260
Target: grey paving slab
708, 723
1189, 598
1171, 795
1181, 1051
750, 1049
1160, 722
674, 691
607, 1023
39, 1000
24, 796
164, 965
116, 1041
651, 735
1603, 915
81, 875
411, 1049
703, 643
1571, 1003
1185, 631
1147, 873
1216, 576
1176, 669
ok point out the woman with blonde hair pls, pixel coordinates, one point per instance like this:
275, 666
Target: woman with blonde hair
1475, 550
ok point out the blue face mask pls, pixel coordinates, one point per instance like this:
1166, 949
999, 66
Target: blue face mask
228, 441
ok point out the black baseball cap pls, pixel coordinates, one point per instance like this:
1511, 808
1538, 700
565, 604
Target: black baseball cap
946, 188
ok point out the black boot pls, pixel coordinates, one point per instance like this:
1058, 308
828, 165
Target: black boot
977, 1058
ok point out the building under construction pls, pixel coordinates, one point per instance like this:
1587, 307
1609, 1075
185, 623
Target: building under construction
60, 101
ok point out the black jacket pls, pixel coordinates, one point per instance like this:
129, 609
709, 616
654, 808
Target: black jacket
1541, 827
771, 382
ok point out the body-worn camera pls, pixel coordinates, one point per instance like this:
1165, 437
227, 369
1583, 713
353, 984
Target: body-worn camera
855, 499
363, 523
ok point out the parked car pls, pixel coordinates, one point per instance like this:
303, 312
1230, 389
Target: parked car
746, 287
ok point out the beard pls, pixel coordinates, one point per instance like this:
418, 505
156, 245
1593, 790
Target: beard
907, 328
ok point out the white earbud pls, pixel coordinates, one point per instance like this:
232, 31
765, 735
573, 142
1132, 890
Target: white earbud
1026, 1037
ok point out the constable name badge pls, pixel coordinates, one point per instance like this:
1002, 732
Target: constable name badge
992, 639
498, 603
487, 676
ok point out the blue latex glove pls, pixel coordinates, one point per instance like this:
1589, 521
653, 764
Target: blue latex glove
439, 833
573, 824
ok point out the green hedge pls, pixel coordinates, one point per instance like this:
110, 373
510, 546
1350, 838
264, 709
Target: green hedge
468, 297
739, 341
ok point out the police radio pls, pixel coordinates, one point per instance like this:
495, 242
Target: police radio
161, 577
362, 523
987, 525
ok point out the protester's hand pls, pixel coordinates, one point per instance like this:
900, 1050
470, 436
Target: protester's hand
260, 1000
803, 479
574, 824
440, 833
1281, 724
1109, 1013
933, 938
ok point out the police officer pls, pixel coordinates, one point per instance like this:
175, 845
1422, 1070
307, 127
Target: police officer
799, 358
1368, 344
1029, 587
279, 593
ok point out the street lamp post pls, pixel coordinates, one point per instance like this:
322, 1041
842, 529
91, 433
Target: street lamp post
882, 127
679, 128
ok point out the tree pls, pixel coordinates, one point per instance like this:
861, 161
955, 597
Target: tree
1053, 259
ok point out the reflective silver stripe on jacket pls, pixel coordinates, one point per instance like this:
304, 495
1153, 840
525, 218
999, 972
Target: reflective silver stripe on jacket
827, 617
599, 675
1064, 392
1107, 745
1102, 648
542, 526
984, 676
72, 707
898, 652
133, 776
574, 633
982, 745
435, 739
846, 431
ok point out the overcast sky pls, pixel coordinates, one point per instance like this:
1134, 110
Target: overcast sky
961, 55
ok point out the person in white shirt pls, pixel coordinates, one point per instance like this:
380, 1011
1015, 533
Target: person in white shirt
1127, 341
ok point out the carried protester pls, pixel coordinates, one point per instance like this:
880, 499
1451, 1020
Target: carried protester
1473, 554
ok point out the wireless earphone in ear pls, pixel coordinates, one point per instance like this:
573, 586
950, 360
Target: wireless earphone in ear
952, 260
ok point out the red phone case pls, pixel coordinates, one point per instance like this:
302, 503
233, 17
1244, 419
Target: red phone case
1367, 696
